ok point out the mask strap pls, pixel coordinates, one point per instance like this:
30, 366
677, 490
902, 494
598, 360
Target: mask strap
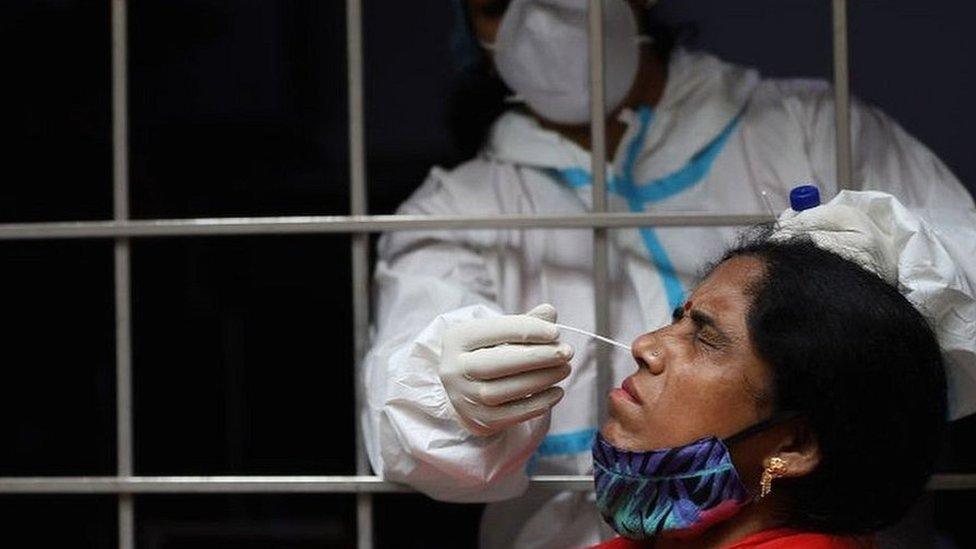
775, 419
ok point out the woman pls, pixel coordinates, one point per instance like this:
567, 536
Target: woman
796, 400
686, 133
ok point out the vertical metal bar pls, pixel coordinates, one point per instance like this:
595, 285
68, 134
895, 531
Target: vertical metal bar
123, 391
123, 332
598, 156
360, 250
842, 97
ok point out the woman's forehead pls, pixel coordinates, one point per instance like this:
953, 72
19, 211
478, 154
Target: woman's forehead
739, 270
726, 289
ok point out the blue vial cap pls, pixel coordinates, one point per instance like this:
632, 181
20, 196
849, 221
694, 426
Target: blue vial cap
804, 197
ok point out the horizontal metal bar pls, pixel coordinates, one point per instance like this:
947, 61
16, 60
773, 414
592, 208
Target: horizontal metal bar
356, 224
955, 481
302, 484
237, 484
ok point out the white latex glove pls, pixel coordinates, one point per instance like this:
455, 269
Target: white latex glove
847, 232
501, 371
876, 231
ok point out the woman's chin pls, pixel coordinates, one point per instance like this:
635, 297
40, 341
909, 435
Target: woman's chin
612, 431
621, 438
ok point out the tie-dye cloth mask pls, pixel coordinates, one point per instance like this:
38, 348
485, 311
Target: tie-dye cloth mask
671, 492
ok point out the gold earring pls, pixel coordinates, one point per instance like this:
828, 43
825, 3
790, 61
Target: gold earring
774, 469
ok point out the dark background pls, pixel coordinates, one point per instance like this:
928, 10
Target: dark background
242, 360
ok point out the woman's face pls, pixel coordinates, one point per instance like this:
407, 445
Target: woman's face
700, 375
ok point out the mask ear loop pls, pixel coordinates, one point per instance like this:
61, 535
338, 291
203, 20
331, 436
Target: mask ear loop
775, 419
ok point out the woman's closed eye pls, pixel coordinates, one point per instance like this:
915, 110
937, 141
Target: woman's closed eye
706, 339
703, 325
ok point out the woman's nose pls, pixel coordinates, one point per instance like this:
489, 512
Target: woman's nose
649, 353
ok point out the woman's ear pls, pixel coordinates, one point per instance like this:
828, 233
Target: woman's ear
799, 450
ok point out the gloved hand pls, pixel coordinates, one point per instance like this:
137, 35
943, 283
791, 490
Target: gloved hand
847, 232
876, 231
500, 371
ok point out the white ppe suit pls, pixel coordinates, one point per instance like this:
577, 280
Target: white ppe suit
718, 136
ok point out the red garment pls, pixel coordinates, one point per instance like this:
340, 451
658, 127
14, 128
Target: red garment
769, 539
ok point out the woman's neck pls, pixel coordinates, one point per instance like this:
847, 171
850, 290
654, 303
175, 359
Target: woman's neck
753, 518
647, 90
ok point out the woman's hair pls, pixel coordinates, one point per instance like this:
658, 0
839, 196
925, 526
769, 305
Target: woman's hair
861, 365
478, 94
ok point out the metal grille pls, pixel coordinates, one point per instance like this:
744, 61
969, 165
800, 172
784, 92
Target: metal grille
125, 484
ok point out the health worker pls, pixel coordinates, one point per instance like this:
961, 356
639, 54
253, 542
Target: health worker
465, 398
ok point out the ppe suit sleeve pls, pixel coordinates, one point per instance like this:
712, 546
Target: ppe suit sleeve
936, 237
425, 282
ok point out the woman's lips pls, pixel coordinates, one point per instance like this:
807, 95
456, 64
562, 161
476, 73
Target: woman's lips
630, 389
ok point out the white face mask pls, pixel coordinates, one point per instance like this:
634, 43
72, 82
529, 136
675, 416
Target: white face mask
541, 52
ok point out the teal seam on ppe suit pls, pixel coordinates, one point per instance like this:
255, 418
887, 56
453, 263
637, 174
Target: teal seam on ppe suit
637, 197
